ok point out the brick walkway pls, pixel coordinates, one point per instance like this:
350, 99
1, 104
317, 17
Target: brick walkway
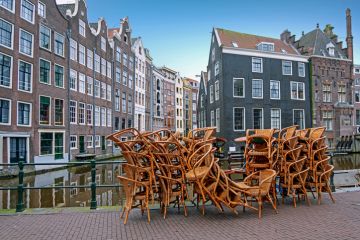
327, 221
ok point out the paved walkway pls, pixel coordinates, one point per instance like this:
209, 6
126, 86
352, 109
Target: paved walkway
327, 221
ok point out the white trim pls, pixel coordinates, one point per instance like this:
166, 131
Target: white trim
262, 89
63, 87
212, 118
303, 110
10, 10
76, 112
12, 35
76, 142
234, 87
217, 123
271, 119
218, 97
7, 124
262, 117
63, 52
32, 43
78, 106
257, 53
303, 64
333, 58
279, 89
17, 114
211, 94
217, 36
49, 111
53, 131
252, 62
31, 79
34, 10
49, 83
11, 71
47, 49
239, 130
84, 48
41, 3
282, 67
297, 88
63, 112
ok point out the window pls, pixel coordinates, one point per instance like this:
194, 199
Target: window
217, 68
268, 47
73, 50
239, 90
24, 114
108, 117
357, 117
103, 90
73, 80
27, 11
89, 114
357, 81
108, 92
45, 37
90, 59
117, 75
212, 119
45, 71
81, 113
97, 63
6, 33
258, 118
5, 70
45, 110
108, 66
59, 44
59, 146
331, 51
274, 89
103, 117
125, 77
217, 113
217, 91
129, 104
117, 100
301, 69
59, 76
125, 60
82, 28
326, 92
328, 119
297, 91
97, 141
299, 118
81, 54
123, 102
89, 141
357, 96
103, 66
81, 83
25, 76
26, 43
90, 86
118, 54
211, 94
257, 65
275, 114
73, 142
59, 112
257, 88
131, 81
103, 44
42, 9
97, 116
73, 111
287, 67
5, 114
239, 119
8, 4
342, 93
52, 143
97, 88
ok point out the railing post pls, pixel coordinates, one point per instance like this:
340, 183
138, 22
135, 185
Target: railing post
93, 202
20, 188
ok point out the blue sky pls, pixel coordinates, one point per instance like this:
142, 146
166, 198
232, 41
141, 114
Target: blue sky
178, 32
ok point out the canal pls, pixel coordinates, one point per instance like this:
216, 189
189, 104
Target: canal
346, 174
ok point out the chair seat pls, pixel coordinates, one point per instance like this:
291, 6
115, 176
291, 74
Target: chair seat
196, 173
242, 185
258, 153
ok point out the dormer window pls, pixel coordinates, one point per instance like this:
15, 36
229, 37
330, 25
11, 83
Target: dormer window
331, 49
267, 47
234, 44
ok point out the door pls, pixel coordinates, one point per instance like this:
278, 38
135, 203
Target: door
59, 145
18, 151
103, 143
82, 144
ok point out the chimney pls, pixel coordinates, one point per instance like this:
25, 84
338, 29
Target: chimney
349, 37
285, 36
339, 44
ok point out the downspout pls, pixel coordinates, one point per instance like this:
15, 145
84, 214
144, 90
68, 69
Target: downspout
311, 94
68, 36
112, 94
151, 98
93, 98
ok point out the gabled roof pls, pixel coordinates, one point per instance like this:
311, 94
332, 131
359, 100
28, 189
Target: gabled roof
111, 32
64, 7
234, 39
147, 54
203, 80
316, 42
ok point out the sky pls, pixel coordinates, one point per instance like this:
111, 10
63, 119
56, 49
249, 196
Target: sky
178, 32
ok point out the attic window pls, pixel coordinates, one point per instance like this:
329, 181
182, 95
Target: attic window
331, 51
264, 46
234, 44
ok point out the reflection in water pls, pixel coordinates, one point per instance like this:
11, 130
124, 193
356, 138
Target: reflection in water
347, 170
69, 197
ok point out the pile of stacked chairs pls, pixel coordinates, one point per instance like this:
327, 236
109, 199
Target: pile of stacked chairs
165, 167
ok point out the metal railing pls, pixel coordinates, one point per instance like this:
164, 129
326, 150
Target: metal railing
20, 187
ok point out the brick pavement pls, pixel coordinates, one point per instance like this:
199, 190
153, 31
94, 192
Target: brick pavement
327, 221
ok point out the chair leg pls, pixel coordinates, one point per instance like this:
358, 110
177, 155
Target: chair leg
294, 197
306, 196
330, 194
122, 213
260, 208
272, 203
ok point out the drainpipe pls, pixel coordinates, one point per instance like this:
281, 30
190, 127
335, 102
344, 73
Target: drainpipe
93, 98
151, 97
112, 94
68, 36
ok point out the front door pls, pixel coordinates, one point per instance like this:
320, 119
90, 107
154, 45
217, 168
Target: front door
82, 144
18, 151
103, 143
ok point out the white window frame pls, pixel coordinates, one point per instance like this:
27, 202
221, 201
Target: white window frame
11, 71
90, 59
303, 66
109, 117
108, 71
82, 55
38, 9
50, 111
283, 64
12, 35
243, 80
33, 13
252, 65
49, 29
76, 112
63, 42
239, 130
75, 147
108, 92
87, 141
89, 85
103, 44
82, 28
31, 78
217, 68
97, 141
262, 118
84, 113
82, 88
212, 118
279, 83
12, 7
217, 119
50, 72
32, 43
217, 93
10, 108
262, 88
297, 90
303, 110
211, 95
76, 79
279, 118
73, 45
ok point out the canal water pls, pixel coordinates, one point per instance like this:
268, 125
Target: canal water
347, 173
